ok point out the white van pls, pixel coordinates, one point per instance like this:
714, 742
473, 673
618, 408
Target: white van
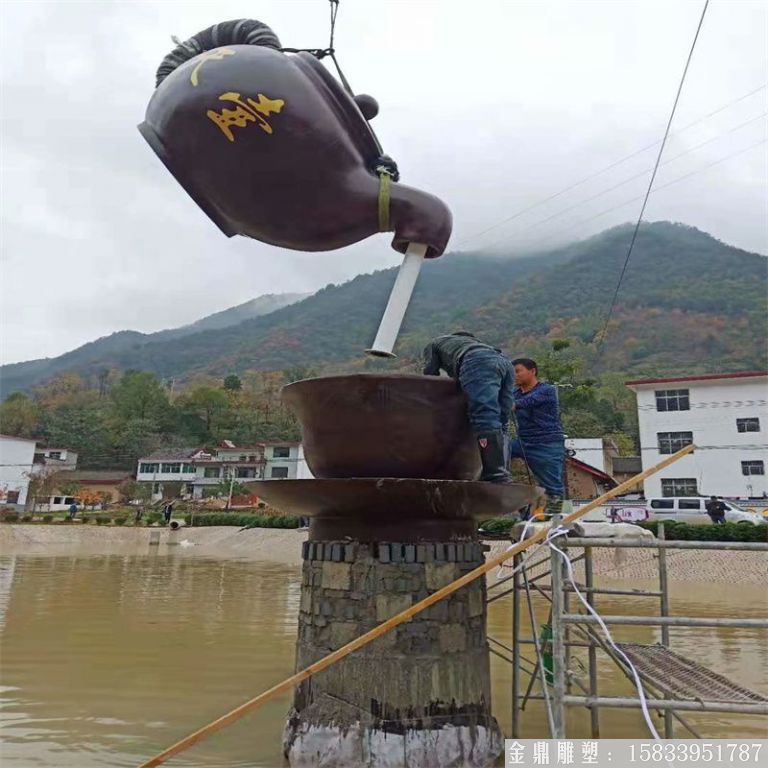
691, 509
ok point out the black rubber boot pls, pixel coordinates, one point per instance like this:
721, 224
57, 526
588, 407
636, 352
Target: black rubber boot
554, 506
491, 445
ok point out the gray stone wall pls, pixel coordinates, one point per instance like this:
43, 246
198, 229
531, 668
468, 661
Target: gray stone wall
429, 672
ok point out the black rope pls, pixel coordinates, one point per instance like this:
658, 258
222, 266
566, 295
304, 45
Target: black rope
321, 53
602, 334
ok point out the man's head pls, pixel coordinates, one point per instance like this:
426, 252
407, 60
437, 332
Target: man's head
713, 498
526, 371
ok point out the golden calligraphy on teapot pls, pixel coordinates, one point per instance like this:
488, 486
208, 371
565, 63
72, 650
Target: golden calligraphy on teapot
246, 111
216, 55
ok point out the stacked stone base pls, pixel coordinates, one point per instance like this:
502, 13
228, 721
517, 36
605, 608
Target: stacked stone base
417, 696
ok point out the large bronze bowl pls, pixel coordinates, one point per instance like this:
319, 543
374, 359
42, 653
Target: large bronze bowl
384, 425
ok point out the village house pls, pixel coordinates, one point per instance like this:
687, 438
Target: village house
594, 466
89, 487
17, 459
725, 415
24, 460
200, 469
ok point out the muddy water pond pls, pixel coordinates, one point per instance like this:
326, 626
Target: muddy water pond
107, 659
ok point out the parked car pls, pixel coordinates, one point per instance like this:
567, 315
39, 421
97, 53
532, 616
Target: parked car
691, 509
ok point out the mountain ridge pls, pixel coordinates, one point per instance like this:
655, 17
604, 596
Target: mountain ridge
705, 297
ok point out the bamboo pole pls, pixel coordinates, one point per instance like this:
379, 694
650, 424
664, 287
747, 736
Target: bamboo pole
340, 653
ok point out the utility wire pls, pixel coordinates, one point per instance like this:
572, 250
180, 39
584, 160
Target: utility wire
629, 179
609, 167
601, 336
658, 189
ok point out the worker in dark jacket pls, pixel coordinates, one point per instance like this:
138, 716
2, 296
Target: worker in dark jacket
486, 377
716, 510
540, 440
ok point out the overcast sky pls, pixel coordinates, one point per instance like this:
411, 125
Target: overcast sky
493, 106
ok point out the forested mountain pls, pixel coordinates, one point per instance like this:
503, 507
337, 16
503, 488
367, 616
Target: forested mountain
688, 303
20, 376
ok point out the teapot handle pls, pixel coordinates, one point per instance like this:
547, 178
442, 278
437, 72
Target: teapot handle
398, 302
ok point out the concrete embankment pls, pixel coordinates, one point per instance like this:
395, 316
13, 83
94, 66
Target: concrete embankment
284, 546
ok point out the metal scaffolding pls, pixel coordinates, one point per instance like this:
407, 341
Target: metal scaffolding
672, 682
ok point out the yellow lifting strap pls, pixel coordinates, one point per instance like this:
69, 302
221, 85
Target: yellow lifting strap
385, 184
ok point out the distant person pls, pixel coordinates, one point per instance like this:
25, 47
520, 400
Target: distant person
716, 510
540, 440
139, 514
485, 376
168, 512
72, 510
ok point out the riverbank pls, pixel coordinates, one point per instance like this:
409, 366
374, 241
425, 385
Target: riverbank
284, 546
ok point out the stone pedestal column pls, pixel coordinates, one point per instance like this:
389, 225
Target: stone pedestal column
417, 696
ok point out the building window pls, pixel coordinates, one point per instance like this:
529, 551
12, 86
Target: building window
243, 457
54, 455
251, 458
171, 469
148, 469
679, 486
281, 452
211, 472
751, 424
279, 473
671, 442
155, 487
672, 400
246, 472
752, 468
188, 469
190, 488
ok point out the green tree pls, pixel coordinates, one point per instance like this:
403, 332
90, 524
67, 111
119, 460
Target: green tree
232, 383
19, 415
140, 395
131, 490
209, 405
68, 487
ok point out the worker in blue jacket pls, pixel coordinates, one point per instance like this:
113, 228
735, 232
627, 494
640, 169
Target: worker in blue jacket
540, 440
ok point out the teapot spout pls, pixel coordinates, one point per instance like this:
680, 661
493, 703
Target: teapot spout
419, 217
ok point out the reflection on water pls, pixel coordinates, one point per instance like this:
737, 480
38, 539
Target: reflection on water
108, 659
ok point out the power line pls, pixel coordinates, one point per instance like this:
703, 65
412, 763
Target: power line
601, 336
609, 167
631, 178
658, 189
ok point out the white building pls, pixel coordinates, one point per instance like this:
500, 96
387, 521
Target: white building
17, 457
725, 415
198, 469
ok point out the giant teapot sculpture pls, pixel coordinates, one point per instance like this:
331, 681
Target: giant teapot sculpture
272, 147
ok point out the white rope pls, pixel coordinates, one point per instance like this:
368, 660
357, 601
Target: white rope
553, 533
560, 531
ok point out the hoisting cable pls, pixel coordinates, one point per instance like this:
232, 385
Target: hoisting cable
321, 53
602, 334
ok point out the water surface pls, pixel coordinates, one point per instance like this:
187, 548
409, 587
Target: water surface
109, 659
